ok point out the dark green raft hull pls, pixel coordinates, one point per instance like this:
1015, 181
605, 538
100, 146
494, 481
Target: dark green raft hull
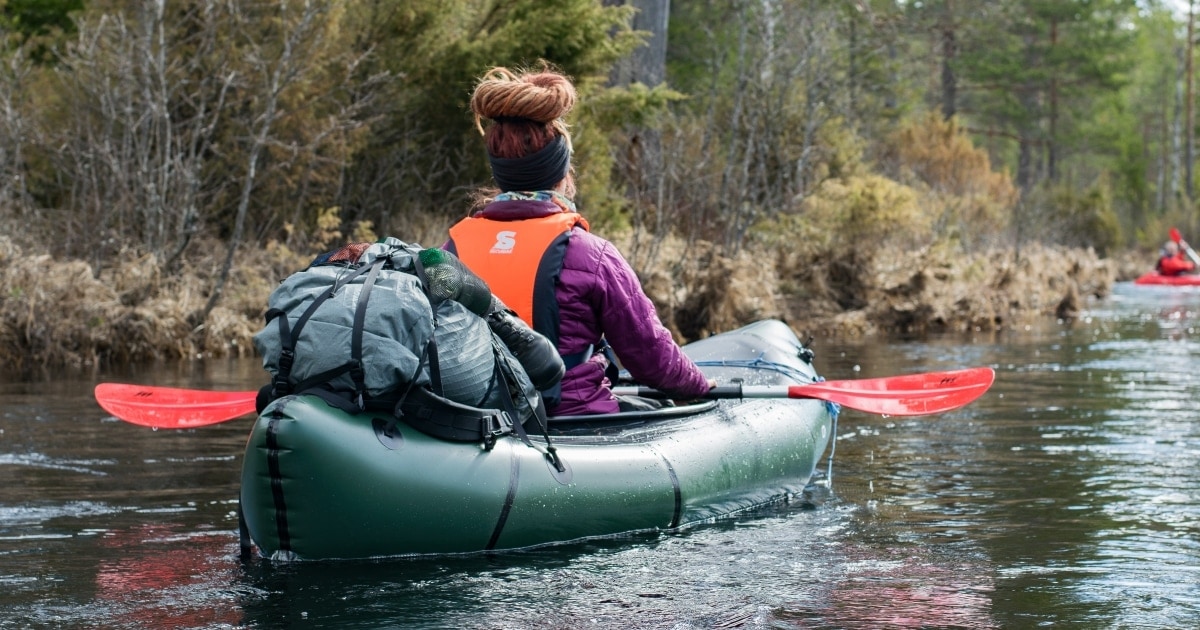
319, 483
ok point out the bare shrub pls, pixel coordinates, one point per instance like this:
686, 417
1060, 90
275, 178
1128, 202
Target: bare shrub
867, 208
53, 312
966, 199
750, 145
913, 292
16, 131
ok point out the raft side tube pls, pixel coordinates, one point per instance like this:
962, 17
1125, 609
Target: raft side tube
360, 498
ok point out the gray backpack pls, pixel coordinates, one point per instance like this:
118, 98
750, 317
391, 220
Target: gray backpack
363, 330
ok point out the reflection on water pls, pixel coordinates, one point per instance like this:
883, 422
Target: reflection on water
1066, 497
154, 576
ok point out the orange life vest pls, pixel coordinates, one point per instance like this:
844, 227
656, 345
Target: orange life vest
520, 261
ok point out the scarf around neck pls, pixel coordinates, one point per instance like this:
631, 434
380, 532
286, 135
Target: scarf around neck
552, 196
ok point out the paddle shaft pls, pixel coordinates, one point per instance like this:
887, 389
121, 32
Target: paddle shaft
1191, 253
717, 393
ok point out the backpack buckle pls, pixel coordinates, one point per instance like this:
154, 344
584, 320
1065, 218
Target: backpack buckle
492, 427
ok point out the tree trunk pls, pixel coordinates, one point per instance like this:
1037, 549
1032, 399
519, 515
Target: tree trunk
287, 69
1189, 139
646, 65
949, 50
1176, 181
1052, 135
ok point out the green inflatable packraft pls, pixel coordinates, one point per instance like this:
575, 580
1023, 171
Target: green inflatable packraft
320, 482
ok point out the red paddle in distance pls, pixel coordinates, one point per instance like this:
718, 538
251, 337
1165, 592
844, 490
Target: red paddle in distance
907, 395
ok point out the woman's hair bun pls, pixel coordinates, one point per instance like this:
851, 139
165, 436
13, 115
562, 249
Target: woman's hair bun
543, 96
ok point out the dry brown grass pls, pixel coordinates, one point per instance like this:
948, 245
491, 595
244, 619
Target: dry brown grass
895, 291
903, 292
700, 292
55, 312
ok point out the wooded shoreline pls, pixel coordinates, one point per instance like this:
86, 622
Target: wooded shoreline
162, 169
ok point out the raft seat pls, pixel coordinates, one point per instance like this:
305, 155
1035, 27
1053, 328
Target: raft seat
606, 422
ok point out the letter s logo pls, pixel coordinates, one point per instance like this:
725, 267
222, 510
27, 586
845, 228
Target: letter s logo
505, 242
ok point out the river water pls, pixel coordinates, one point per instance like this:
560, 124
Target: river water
1067, 497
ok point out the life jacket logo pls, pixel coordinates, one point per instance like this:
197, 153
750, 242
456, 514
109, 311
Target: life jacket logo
505, 242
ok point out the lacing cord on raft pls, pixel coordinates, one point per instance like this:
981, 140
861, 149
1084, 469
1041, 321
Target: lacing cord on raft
832, 446
759, 363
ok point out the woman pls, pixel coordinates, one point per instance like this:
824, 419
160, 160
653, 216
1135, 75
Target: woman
532, 247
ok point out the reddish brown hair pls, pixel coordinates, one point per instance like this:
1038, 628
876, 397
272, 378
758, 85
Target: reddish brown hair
526, 110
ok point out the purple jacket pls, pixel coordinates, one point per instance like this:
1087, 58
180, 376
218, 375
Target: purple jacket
600, 295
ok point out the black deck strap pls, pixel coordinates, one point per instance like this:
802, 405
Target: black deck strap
273, 450
356, 333
322, 378
397, 411
330, 292
678, 514
412, 380
335, 399
435, 370
419, 272
287, 355
245, 544
514, 475
512, 387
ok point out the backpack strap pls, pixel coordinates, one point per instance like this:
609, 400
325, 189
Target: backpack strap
356, 335
445, 419
281, 384
512, 388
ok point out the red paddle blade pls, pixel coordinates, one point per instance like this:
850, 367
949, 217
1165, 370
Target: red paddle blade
172, 408
907, 395
1175, 236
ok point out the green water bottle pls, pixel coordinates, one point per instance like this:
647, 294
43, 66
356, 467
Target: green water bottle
449, 279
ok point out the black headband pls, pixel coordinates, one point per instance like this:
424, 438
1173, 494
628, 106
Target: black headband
537, 171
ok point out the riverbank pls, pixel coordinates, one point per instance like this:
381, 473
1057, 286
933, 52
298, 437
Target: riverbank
894, 293
60, 313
